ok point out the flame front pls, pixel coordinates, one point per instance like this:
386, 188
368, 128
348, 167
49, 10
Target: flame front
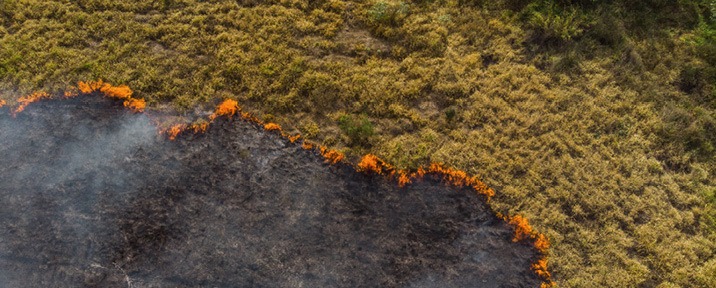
26, 100
228, 107
120, 92
371, 163
272, 126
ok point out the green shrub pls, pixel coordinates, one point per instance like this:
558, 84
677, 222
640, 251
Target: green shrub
359, 132
552, 23
387, 13
450, 114
379, 12
386, 18
690, 79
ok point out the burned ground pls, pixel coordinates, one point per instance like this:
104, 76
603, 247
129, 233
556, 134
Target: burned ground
92, 196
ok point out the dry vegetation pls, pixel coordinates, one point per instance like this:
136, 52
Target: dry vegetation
596, 123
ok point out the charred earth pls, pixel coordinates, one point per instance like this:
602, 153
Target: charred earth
92, 195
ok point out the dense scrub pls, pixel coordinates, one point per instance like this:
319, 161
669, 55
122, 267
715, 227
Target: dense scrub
595, 119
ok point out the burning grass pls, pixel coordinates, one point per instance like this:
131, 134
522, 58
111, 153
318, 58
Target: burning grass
227, 108
26, 100
121, 92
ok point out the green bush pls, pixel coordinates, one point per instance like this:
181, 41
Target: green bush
552, 23
359, 132
387, 13
450, 114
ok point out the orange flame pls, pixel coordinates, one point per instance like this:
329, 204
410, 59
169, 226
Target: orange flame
370, 163
541, 269
136, 105
2, 102
90, 86
333, 156
404, 179
120, 92
523, 230
542, 244
272, 126
460, 178
174, 131
307, 145
70, 94
228, 107
200, 128
26, 100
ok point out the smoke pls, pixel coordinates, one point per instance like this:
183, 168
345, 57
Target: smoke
45, 153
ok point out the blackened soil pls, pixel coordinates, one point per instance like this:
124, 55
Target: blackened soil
92, 196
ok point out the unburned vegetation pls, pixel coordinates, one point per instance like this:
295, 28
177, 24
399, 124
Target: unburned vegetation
593, 119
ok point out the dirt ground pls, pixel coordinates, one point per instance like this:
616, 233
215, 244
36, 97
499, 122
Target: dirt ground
92, 196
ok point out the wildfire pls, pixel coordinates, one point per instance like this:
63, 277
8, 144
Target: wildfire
404, 179
368, 163
541, 269
523, 231
228, 107
200, 128
71, 93
177, 129
460, 178
371, 163
174, 131
26, 100
136, 105
307, 145
332, 156
120, 92
542, 243
272, 126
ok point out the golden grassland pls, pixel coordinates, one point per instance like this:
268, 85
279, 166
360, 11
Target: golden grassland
600, 129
